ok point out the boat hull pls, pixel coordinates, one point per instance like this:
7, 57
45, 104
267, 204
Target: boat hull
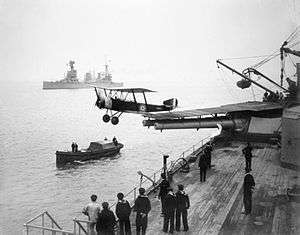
69, 157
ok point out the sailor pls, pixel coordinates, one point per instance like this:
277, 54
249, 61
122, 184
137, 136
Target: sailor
182, 205
106, 221
170, 207
247, 151
115, 141
142, 207
208, 150
265, 98
203, 167
249, 184
73, 146
123, 211
92, 210
163, 191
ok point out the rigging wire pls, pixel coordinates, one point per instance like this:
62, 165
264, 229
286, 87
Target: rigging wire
294, 44
225, 83
246, 57
293, 34
292, 60
259, 64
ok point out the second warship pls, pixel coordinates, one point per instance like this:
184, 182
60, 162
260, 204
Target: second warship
71, 81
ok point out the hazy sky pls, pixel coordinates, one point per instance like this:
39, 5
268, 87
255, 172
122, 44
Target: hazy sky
173, 40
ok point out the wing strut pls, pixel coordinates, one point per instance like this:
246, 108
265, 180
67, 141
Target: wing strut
137, 107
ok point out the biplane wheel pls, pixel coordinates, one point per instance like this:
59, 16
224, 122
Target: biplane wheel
114, 120
106, 118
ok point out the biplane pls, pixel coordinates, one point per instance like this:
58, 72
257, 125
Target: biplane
124, 100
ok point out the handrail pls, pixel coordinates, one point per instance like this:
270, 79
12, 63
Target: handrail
43, 228
170, 165
46, 212
50, 229
80, 226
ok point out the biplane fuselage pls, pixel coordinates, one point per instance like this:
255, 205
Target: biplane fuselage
117, 100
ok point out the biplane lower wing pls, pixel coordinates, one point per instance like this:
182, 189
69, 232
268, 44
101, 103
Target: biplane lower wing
254, 106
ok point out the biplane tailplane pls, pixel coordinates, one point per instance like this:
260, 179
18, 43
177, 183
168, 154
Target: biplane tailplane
172, 103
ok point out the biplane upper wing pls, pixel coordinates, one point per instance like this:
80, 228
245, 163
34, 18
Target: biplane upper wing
255, 106
135, 90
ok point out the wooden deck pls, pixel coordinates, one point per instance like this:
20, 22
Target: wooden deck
216, 204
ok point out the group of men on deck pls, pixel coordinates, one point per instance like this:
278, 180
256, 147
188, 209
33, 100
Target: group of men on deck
173, 206
104, 220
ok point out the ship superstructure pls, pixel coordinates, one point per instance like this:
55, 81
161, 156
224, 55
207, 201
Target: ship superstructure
71, 81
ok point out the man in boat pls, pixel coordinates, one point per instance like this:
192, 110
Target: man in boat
92, 210
106, 221
163, 191
249, 184
170, 207
123, 211
115, 141
247, 151
182, 205
142, 207
73, 146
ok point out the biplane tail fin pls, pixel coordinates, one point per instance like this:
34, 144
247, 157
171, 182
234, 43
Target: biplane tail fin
172, 103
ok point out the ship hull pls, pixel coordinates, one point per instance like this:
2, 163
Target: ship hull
80, 85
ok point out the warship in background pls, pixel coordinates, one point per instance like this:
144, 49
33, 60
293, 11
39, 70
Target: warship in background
71, 80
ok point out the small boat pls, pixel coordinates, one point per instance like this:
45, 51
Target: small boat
96, 150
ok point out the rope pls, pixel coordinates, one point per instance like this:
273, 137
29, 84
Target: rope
223, 80
259, 64
293, 34
246, 57
292, 60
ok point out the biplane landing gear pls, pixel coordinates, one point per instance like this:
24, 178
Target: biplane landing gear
114, 120
106, 118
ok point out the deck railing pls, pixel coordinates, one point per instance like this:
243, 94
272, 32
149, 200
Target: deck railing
44, 218
172, 166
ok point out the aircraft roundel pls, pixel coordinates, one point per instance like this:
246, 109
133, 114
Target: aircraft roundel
143, 108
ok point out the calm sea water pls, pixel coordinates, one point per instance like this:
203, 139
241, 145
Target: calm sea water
35, 123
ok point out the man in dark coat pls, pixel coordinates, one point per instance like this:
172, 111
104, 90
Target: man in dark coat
248, 186
208, 150
182, 205
203, 166
142, 207
106, 221
170, 206
123, 211
73, 147
247, 151
163, 191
